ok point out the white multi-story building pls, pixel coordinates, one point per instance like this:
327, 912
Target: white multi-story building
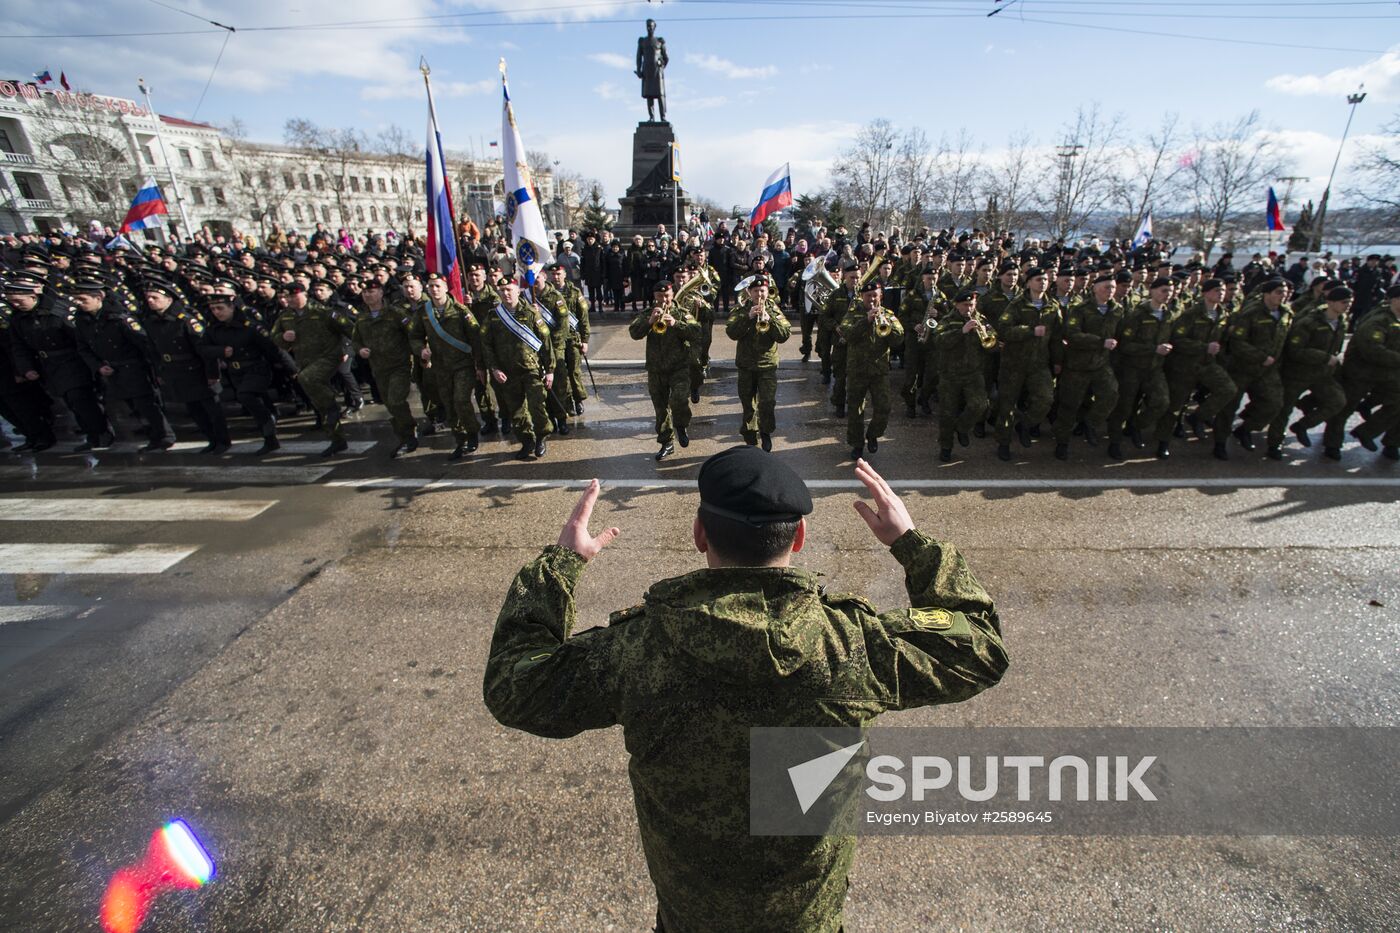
69, 158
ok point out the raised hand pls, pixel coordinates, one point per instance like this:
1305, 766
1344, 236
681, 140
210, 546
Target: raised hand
575, 535
889, 519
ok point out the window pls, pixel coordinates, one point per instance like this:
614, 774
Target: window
311, 211
383, 189
185, 159
289, 180
130, 188
418, 214
373, 214
197, 195
320, 182
5, 144
247, 179
354, 184
394, 185
305, 181
369, 184
219, 197
146, 156
414, 185
209, 160
325, 214
359, 214
296, 212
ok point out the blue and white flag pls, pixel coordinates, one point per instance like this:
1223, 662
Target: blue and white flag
1144, 232
527, 231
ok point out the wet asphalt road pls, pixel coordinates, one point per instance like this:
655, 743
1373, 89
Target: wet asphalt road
303, 684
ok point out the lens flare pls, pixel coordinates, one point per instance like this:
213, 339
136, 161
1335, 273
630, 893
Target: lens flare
175, 859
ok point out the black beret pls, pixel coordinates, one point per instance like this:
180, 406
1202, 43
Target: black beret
1212, 284
1124, 278
870, 286
967, 293
1271, 285
1034, 272
747, 484
294, 286
1161, 283
1103, 277
1340, 293
1393, 291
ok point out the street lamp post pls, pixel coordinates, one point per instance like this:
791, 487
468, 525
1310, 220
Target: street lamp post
1353, 100
165, 156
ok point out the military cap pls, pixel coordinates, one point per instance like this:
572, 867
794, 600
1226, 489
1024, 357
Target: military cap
1103, 277
906, 249
1340, 293
23, 284
550, 267
1066, 271
665, 284
1271, 285
216, 298
90, 286
294, 286
160, 285
1212, 284
1034, 272
966, 293
437, 276
1160, 282
870, 286
761, 279
1393, 291
369, 281
747, 484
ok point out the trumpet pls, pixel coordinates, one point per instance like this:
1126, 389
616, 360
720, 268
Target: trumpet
984, 332
763, 322
658, 326
884, 323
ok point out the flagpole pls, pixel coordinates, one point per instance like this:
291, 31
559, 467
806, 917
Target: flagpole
170, 166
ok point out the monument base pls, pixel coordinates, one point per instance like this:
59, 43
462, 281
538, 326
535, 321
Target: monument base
651, 199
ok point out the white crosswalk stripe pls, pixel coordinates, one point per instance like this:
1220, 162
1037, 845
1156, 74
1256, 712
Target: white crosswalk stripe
300, 448
132, 510
27, 613
154, 475
91, 558
971, 485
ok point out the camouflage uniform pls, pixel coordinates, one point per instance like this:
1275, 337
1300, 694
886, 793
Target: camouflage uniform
1143, 395
1087, 371
1025, 362
668, 369
1189, 365
867, 374
554, 308
1254, 335
319, 346
577, 305
523, 393
1372, 368
831, 347
756, 359
454, 373
711, 654
962, 391
1312, 342
386, 334
482, 305
920, 360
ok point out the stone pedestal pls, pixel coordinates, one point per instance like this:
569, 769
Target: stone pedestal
648, 201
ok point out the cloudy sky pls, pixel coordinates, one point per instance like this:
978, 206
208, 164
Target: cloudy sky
752, 83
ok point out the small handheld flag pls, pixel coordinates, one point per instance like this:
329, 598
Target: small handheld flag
777, 194
1274, 218
147, 209
532, 250
1144, 232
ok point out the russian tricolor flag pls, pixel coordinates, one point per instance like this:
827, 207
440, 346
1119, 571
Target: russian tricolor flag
147, 208
777, 194
1273, 217
441, 253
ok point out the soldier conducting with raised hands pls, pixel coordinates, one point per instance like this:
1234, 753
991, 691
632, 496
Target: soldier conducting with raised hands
757, 328
670, 333
518, 352
746, 642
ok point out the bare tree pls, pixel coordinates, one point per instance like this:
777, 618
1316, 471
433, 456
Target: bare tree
1153, 169
912, 186
863, 174
1230, 162
257, 177
1379, 166
91, 158
332, 150
955, 173
1006, 184
405, 170
1081, 171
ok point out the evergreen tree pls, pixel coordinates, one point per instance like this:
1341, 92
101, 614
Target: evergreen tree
836, 216
807, 212
595, 215
770, 227
1301, 238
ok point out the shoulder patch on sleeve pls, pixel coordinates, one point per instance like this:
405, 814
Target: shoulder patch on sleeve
935, 620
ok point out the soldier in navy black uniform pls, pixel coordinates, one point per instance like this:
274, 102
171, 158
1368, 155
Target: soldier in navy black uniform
23, 403
248, 354
185, 377
115, 346
46, 346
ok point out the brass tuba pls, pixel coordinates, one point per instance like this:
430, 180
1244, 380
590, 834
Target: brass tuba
701, 282
817, 284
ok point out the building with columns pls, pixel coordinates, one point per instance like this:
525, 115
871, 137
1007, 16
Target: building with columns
70, 158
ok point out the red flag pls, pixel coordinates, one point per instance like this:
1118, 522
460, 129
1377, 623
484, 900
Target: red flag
63, 80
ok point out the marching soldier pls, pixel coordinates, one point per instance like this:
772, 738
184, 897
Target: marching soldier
1144, 342
962, 388
116, 348
920, 306
482, 298
185, 375
575, 392
23, 402
669, 332
838, 304
870, 333
703, 312
518, 353
1372, 369
757, 328
1197, 338
249, 355
1252, 353
1025, 327
409, 302
1311, 358
552, 308
447, 336
382, 334
1091, 329
315, 335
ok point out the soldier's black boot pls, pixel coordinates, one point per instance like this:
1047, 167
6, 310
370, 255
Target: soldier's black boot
683, 437
539, 448
1275, 452
1023, 434
963, 439
665, 451
695, 396
945, 455
1390, 452
429, 428
1332, 453
857, 453
1091, 436
562, 426
269, 444
872, 442
1115, 451
398, 451
1003, 451
1220, 452
489, 427
1164, 450
336, 445
153, 446
578, 407
473, 442
909, 411
1246, 438
840, 411
526, 452
979, 429
1062, 450
926, 408
411, 444
1301, 433
1135, 436
1364, 440
768, 442
457, 454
